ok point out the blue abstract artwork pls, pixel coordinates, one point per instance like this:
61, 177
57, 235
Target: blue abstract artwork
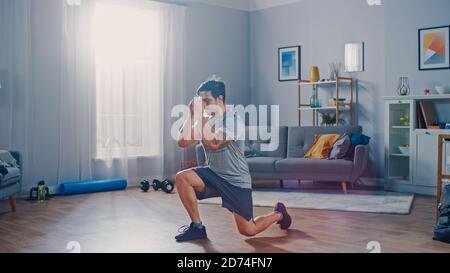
289, 64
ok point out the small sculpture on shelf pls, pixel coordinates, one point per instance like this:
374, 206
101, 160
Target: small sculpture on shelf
335, 102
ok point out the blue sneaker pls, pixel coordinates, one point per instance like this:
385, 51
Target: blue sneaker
189, 233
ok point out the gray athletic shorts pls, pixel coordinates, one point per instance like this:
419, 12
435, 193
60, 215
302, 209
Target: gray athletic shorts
236, 200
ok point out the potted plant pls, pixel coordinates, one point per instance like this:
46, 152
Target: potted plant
405, 119
330, 120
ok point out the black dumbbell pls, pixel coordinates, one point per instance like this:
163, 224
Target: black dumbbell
166, 185
145, 186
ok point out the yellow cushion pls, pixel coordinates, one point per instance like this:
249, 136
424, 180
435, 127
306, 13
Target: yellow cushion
323, 144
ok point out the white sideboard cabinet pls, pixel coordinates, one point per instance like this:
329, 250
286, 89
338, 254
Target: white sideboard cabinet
411, 151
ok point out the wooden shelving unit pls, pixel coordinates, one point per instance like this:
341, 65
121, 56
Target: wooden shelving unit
442, 174
338, 107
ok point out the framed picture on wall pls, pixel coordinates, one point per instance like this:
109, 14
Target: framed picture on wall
434, 48
289, 63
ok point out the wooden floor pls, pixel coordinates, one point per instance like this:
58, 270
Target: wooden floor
133, 221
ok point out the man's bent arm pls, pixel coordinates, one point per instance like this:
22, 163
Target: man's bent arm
190, 141
215, 142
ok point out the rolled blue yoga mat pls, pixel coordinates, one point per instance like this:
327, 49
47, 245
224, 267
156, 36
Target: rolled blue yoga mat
92, 186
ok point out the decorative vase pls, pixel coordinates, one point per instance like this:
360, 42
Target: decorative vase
314, 100
403, 86
332, 76
335, 69
314, 75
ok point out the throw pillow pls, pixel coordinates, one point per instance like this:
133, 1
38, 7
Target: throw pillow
360, 139
341, 147
322, 146
357, 139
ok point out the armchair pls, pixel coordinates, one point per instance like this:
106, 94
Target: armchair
10, 184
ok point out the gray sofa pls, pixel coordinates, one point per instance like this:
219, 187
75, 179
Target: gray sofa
288, 161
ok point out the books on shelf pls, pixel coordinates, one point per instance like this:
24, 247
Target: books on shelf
420, 119
426, 116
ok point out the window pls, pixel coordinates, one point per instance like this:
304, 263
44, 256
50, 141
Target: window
128, 81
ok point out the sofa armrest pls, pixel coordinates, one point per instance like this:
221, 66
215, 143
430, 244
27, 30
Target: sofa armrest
360, 161
200, 155
18, 157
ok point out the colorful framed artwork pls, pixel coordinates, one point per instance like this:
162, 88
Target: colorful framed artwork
434, 48
289, 63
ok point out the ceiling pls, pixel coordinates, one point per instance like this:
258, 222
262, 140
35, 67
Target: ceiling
247, 5
254, 5
264, 4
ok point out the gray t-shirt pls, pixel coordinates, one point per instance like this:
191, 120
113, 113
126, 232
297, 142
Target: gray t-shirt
229, 162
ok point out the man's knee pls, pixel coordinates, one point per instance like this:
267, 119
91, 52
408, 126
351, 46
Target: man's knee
181, 180
247, 231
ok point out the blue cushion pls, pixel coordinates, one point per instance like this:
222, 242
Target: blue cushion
359, 139
356, 139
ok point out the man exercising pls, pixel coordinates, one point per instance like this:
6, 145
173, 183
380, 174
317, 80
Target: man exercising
226, 174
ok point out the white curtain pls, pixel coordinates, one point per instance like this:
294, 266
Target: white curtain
16, 108
76, 144
123, 71
173, 66
114, 107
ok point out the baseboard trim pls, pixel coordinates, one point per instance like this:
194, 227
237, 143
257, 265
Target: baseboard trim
371, 182
53, 190
429, 191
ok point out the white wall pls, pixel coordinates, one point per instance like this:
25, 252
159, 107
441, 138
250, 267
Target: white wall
403, 19
218, 42
321, 28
